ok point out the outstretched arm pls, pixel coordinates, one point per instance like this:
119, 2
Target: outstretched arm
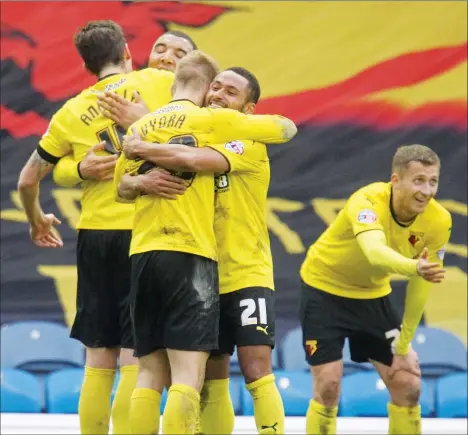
41, 224
374, 246
417, 291
234, 125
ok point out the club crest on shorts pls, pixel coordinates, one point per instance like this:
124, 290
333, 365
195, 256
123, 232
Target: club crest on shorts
311, 347
236, 146
367, 216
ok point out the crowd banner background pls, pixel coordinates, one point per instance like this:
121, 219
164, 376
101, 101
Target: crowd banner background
358, 78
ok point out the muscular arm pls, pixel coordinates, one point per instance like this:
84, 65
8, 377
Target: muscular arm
417, 293
182, 157
30, 177
374, 246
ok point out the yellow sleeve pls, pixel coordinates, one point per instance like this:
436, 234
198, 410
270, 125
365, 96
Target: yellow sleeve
439, 236
374, 246
66, 172
363, 213
417, 291
241, 155
156, 87
231, 124
55, 140
365, 216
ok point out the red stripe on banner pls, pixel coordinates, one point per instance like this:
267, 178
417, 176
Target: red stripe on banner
21, 125
384, 115
341, 101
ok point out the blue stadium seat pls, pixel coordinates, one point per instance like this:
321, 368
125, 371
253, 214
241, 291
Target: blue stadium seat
295, 389
20, 392
63, 390
440, 352
451, 396
364, 394
236, 385
234, 363
292, 351
39, 347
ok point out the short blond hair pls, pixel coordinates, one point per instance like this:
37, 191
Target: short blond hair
196, 68
414, 153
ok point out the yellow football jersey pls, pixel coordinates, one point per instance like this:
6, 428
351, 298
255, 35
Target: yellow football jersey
240, 218
336, 264
79, 125
186, 224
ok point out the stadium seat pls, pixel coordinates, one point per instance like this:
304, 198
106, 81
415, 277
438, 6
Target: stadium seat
440, 352
292, 351
295, 389
236, 385
451, 396
234, 363
39, 347
20, 392
63, 390
364, 394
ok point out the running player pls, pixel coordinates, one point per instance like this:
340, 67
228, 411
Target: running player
247, 316
384, 228
102, 321
166, 52
174, 271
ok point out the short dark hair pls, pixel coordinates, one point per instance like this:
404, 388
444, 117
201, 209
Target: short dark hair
100, 43
414, 153
254, 85
182, 35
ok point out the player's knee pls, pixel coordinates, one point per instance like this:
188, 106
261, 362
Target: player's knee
329, 391
255, 362
412, 389
327, 383
405, 389
102, 357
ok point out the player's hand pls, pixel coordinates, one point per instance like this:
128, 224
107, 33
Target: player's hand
94, 167
120, 110
43, 233
431, 272
408, 363
130, 144
160, 182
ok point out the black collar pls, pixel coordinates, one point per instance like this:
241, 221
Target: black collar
108, 75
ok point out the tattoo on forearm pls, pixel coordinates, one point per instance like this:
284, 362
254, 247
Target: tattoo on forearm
42, 166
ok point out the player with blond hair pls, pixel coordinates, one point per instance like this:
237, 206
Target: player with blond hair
175, 297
